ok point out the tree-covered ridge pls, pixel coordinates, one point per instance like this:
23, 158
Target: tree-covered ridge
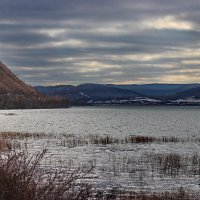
15, 94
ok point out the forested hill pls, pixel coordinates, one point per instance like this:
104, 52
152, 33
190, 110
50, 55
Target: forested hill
15, 94
10, 84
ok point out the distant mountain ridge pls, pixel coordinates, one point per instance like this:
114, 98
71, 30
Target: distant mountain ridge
83, 93
14, 93
126, 93
159, 90
192, 92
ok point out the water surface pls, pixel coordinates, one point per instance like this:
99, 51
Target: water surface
114, 120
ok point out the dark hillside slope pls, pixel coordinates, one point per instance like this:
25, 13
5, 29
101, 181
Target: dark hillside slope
158, 90
15, 94
98, 92
10, 84
194, 92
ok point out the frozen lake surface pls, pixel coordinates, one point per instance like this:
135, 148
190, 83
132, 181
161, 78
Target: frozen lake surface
148, 166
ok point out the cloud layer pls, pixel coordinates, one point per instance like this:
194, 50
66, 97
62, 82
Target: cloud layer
50, 42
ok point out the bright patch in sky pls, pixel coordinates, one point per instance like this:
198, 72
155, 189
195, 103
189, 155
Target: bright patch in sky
107, 41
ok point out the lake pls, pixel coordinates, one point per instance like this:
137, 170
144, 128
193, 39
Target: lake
107, 137
114, 120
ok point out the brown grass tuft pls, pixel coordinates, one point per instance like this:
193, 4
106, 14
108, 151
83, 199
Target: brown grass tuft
5, 145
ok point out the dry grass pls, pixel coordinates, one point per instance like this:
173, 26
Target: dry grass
22, 136
53, 181
173, 164
178, 195
22, 178
113, 194
5, 145
71, 140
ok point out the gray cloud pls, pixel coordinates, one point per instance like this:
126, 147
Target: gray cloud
108, 41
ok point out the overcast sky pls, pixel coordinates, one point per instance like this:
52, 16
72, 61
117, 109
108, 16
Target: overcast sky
50, 42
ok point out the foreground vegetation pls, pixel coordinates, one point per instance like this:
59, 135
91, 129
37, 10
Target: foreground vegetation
23, 175
22, 178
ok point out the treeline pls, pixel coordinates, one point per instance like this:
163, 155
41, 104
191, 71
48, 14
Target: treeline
30, 102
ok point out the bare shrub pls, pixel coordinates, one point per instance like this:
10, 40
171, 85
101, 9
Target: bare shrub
22, 178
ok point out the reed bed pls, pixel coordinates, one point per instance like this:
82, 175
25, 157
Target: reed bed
72, 140
136, 167
22, 136
22, 178
180, 194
